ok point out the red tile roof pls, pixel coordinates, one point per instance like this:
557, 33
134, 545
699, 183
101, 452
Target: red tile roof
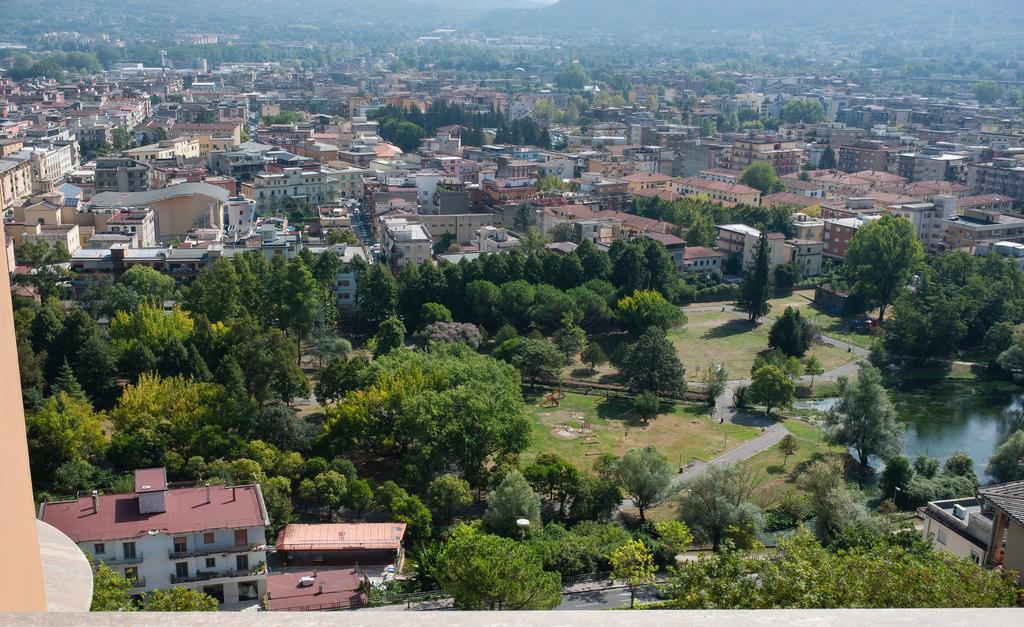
331, 588
118, 515
341, 536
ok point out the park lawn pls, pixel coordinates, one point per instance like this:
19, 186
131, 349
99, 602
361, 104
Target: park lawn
681, 434
727, 338
778, 475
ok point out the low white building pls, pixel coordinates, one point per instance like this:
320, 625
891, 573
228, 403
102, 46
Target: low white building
957, 526
138, 224
239, 217
208, 538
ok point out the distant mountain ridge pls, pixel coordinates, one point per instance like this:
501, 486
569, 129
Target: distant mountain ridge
916, 17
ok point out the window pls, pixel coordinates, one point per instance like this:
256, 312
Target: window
211, 562
180, 545
129, 550
208, 537
181, 570
99, 549
942, 537
241, 537
242, 563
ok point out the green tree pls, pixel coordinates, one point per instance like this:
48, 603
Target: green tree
717, 506
434, 312
646, 405
881, 259
702, 231
771, 387
555, 479
570, 338
571, 76
653, 365
1007, 463
827, 161
806, 110
593, 355
535, 359
674, 535
926, 467
714, 381
761, 176
757, 284
65, 428
376, 294
390, 336
788, 446
813, 368
410, 510
179, 599
647, 308
447, 494
792, 333
898, 474
512, 500
987, 92
111, 591
338, 378
960, 464
834, 506
358, 497
645, 476
864, 418
486, 572
329, 490
634, 564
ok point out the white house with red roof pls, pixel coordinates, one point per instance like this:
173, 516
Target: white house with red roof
208, 538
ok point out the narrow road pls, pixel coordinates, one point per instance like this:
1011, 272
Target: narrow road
605, 599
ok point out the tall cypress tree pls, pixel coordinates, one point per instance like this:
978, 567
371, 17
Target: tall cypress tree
756, 287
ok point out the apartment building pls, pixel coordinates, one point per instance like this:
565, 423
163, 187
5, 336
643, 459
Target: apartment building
183, 147
121, 174
931, 164
807, 255
782, 154
1003, 176
49, 163
740, 240
15, 182
729, 194
863, 155
929, 220
403, 242
648, 181
346, 282
976, 226
208, 538
839, 231
274, 191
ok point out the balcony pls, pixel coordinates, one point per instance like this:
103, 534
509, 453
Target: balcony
213, 550
114, 560
208, 575
139, 583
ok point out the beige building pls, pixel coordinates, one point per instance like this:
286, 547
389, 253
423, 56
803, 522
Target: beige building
462, 225
742, 240
177, 209
403, 242
957, 526
807, 255
729, 194
184, 147
15, 182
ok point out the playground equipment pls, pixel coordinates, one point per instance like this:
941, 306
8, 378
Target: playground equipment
552, 400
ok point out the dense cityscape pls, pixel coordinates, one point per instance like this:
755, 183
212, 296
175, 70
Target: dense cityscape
499, 305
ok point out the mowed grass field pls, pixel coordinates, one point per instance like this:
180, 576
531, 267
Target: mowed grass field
727, 338
681, 433
779, 475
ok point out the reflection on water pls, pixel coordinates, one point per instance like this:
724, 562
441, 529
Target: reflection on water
944, 417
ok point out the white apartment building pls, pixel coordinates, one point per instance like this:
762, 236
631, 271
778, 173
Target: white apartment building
271, 190
403, 242
138, 224
346, 282
207, 538
957, 526
929, 220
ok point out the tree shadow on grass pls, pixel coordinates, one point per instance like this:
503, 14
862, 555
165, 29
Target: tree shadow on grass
729, 329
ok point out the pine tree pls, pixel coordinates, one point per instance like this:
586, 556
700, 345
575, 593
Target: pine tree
756, 287
66, 382
828, 159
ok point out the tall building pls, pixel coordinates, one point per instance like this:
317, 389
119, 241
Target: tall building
783, 154
207, 538
121, 174
1003, 176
